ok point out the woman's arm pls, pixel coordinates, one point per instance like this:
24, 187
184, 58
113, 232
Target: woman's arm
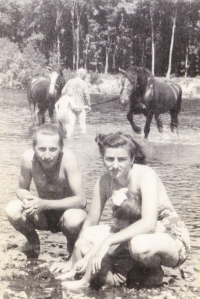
148, 185
98, 202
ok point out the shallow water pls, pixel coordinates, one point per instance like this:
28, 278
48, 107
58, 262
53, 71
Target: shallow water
176, 160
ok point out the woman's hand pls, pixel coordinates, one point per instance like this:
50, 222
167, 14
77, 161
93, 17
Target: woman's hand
99, 255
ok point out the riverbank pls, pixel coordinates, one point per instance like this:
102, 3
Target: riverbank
39, 283
176, 162
110, 84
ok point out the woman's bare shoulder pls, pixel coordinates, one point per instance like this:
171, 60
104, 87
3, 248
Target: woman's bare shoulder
140, 172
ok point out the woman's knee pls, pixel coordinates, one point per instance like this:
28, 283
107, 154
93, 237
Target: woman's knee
141, 246
72, 220
14, 210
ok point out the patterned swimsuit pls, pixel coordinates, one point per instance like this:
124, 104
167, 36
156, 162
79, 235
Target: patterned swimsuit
170, 223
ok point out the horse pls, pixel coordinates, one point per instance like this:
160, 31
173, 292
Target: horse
44, 92
149, 96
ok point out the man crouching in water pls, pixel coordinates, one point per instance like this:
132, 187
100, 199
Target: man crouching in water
60, 204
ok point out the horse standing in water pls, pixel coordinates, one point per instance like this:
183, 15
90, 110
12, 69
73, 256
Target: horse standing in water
150, 96
44, 92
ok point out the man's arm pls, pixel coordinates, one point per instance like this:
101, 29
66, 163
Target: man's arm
25, 176
87, 94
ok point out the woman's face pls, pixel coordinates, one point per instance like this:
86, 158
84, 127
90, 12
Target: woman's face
117, 162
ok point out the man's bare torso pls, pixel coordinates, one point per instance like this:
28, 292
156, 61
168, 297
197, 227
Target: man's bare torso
50, 184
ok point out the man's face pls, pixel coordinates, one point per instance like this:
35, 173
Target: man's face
47, 149
83, 76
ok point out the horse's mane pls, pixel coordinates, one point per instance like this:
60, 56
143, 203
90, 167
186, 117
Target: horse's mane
141, 71
143, 76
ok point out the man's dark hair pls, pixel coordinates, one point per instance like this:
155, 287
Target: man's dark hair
48, 129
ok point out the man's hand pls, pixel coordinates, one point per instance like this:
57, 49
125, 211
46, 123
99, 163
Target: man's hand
88, 109
32, 204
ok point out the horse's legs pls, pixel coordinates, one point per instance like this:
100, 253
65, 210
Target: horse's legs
174, 120
174, 112
51, 111
33, 115
159, 123
41, 117
51, 116
133, 125
147, 125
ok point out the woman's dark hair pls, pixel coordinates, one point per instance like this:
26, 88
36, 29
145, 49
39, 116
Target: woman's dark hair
119, 139
48, 129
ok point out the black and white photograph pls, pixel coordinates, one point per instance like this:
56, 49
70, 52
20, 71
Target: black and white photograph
100, 149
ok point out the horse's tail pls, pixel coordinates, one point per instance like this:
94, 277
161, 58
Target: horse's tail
179, 99
30, 98
28, 91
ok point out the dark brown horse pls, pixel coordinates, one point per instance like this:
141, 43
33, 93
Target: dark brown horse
43, 93
149, 96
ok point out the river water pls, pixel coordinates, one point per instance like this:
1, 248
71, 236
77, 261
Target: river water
175, 159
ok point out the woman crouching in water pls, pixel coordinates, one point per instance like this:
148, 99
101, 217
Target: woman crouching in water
154, 237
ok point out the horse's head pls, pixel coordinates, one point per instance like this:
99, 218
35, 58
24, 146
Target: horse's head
129, 85
56, 84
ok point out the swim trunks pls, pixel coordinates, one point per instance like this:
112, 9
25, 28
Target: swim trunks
53, 220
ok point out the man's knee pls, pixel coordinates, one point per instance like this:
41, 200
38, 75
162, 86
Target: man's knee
14, 210
72, 220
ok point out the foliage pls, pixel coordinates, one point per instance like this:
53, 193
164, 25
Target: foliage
16, 68
100, 35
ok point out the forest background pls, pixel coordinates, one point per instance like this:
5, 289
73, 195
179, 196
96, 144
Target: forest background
99, 35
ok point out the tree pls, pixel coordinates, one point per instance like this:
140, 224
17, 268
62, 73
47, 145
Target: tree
172, 39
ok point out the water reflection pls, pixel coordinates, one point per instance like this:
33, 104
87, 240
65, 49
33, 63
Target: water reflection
176, 160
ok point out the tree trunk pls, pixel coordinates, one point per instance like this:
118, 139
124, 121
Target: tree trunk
186, 62
73, 34
142, 57
58, 49
58, 29
171, 45
114, 57
77, 37
106, 64
86, 51
152, 42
